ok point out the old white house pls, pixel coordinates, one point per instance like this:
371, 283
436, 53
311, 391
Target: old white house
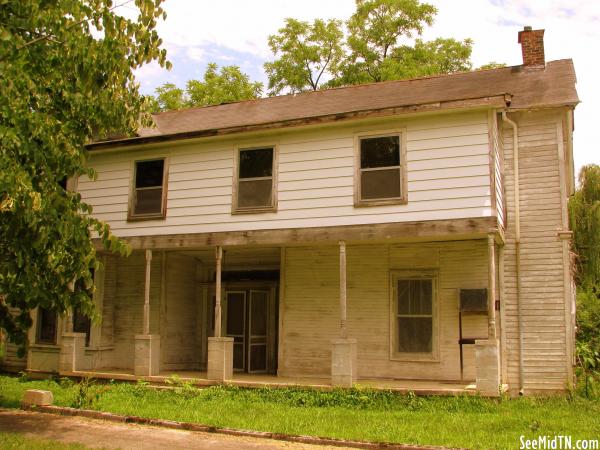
405, 234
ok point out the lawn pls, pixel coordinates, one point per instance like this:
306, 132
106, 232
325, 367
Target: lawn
461, 421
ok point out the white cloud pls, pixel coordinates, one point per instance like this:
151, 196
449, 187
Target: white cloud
200, 29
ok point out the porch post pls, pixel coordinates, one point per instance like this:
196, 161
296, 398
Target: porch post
343, 352
72, 345
487, 351
220, 349
147, 346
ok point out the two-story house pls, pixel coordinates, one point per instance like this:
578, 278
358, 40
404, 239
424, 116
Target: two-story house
398, 233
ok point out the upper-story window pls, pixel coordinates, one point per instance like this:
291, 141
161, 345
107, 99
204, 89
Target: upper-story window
380, 170
148, 196
255, 180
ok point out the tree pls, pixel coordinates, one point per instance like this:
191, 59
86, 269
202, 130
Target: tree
584, 214
67, 77
168, 96
375, 30
230, 85
227, 86
308, 55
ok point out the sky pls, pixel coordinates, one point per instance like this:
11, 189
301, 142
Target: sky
234, 32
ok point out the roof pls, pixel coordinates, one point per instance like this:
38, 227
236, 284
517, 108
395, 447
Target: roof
551, 86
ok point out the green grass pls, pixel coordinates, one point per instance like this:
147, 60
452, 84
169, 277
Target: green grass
461, 421
18, 441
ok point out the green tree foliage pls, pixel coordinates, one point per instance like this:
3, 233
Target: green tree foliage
378, 47
67, 76
168, 96
584, 213
228, 85
309, 54
375, 30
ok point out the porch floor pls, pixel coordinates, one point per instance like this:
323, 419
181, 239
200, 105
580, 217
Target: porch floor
419, 387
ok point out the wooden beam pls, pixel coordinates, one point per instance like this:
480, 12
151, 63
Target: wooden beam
343, 290
470, 228
219, 259
147, 293
491, 286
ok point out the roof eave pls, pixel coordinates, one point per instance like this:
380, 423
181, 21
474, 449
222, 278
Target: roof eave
496, 101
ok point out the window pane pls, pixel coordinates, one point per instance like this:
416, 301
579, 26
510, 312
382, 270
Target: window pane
256, 163
148, 201
403, 296
82, 324
149, 173
414, 334
47, 326
255, 193
380, 184
380, 152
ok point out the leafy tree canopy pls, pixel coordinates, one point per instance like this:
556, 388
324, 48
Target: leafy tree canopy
378, 46
67, 76
228, 85
308, 53
584, 211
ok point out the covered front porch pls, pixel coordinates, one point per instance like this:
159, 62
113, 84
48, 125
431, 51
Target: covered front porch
401, 313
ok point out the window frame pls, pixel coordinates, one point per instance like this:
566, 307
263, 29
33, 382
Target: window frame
235, 209
395, 355
131, 215
403, 198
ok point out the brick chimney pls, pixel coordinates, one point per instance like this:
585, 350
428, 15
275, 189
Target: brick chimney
532, 47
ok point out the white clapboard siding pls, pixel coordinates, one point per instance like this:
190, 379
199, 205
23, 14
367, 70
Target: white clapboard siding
311, 307
542, 293
448, 177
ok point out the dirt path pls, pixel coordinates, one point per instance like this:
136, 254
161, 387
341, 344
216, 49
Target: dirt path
103, 434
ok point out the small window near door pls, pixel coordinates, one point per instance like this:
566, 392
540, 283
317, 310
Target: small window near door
254, 187
46, 326
413, 308
381, 171
149, 190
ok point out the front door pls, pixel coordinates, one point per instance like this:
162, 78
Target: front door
246, 321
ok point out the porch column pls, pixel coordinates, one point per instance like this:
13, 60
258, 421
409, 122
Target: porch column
147, 346
343, 352
220, 349
487, 352
72, 345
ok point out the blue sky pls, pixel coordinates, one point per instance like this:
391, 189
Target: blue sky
228, 32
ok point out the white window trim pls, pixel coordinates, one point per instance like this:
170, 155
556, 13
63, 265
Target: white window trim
235, 209
131, 216
434, 355
403, 198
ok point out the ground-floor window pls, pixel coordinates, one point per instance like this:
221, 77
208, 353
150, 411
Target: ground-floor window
46, 326
413, 312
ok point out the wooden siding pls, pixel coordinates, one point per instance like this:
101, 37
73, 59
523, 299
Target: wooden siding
310, 307
448, 177
498, 169
543, 296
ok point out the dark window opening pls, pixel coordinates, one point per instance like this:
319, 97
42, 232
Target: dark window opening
380, 175
149, 178
46, 326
